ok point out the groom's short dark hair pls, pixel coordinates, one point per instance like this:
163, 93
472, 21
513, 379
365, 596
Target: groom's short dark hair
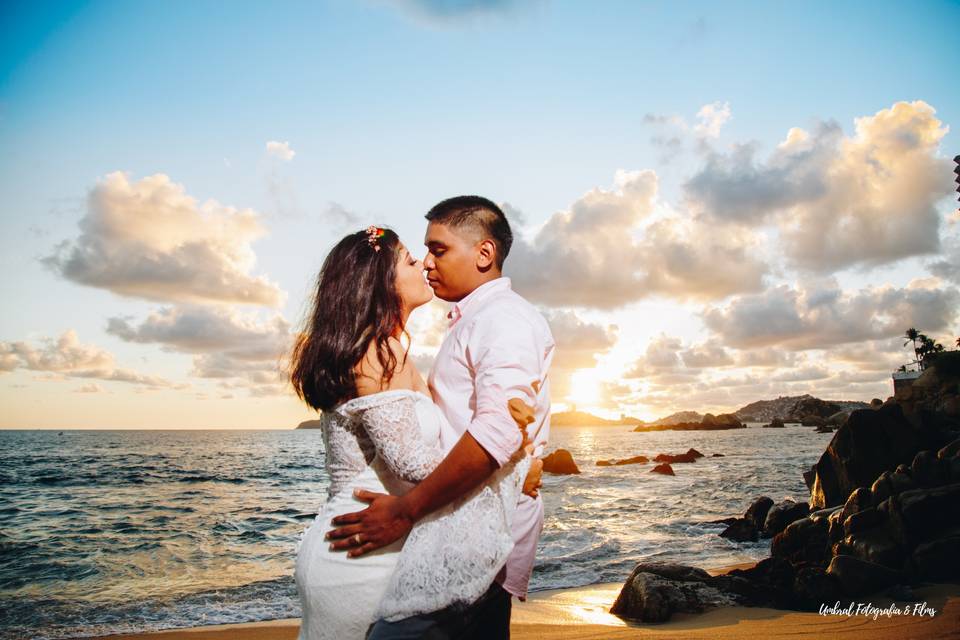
477, 212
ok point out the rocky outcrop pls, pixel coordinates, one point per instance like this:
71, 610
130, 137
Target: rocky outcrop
776, 423
867, 444
763, 519
709, 422
812, 411
655, 591
664, 468
884, 514
309, 424
690, 456
618, 463
560, 462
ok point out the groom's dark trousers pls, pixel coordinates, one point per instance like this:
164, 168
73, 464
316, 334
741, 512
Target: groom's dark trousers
486, 619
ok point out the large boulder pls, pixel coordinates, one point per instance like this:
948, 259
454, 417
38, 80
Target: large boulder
813, 586
919, 515
756, 513
664, 468
937, 560
655, 591
782, 514
689, 456
560, 462
741, 530
858, 577
804, 542
868, 443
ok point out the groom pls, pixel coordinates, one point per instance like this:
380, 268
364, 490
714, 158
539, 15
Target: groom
496, 341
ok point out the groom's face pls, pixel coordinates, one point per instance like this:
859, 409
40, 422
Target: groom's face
451, 261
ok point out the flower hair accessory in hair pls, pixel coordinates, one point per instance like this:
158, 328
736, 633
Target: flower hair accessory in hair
374, 234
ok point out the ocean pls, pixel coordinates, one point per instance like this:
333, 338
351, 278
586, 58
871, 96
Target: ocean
116, 531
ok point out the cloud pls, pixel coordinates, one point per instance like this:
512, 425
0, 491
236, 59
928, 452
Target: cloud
677, 135
149, 239
822, 316
838, 201
948, 266
712, 117
703, 356
455, 11
340, 218
578, 343
428, 325
224, 342
813, 372
280, 150
588, 256
92, 387
66, 356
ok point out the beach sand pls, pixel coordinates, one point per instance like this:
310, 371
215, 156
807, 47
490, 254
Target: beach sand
582, 614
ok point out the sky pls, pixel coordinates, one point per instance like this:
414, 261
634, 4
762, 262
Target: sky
713, 203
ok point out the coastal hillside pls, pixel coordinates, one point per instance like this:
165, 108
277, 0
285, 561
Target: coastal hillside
795, 408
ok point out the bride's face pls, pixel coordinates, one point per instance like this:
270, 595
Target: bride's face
411, 282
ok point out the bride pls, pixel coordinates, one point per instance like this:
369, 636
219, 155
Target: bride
381, 432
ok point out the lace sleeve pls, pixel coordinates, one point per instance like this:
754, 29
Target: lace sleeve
392, 425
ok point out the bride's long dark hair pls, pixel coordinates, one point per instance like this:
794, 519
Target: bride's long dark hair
355, 302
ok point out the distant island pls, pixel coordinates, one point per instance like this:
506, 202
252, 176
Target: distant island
804, 409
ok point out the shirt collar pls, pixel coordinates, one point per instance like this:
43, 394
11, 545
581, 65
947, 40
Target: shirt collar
473, 299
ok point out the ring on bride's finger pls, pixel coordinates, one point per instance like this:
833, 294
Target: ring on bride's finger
356, 538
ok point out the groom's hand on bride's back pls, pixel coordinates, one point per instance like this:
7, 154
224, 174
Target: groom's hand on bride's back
381, 523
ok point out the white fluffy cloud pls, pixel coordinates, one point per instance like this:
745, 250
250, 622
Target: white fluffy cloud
588, 256
822, 316
66, 356
838, 200
224, 342
712, 117
280, 150
149, 239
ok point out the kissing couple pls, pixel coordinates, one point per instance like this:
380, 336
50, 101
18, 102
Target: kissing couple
449, 467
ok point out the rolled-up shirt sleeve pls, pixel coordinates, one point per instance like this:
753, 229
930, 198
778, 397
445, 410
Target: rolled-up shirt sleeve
504, 353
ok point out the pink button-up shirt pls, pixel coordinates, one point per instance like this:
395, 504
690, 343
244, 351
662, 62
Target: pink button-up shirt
498, 344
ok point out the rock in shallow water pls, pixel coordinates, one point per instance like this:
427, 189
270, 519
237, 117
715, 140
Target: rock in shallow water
560, 462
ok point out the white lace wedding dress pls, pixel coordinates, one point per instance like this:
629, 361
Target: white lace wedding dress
386, 442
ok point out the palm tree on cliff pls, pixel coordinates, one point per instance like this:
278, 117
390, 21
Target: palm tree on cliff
912, 335
927, 348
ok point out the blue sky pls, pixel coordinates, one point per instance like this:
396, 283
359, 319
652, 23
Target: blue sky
391, 106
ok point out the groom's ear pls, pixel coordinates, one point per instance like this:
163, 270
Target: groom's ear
486, 254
